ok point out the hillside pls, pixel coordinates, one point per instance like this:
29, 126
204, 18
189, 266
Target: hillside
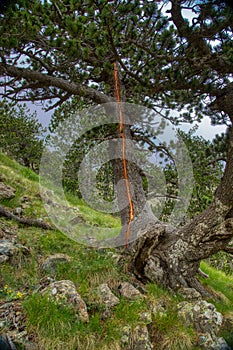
57, 294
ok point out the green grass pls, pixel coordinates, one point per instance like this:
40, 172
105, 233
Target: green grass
222, 284
56, 326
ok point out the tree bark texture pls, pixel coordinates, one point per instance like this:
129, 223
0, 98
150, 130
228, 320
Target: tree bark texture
171, 256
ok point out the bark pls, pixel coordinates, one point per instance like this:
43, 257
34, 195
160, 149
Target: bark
25, 221
143, 216
171, 256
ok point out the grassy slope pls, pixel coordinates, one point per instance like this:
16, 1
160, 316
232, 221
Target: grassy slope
55, 326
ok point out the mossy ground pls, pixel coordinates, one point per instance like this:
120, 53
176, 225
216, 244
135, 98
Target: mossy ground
55, 326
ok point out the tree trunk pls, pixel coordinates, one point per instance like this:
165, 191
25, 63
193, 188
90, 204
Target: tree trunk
171, 256
143, 216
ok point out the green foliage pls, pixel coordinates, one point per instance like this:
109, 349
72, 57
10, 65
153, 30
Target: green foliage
20, 134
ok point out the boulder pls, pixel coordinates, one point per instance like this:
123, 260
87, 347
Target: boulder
6, 191
207, 321
128, 291
106, 296
64, 291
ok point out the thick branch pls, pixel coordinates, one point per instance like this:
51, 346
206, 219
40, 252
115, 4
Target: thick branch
196, 40
48, 80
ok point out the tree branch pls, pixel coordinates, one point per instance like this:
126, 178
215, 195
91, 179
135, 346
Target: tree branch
196, 40
48, 80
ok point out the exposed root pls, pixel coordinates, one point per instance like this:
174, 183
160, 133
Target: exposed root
25, 221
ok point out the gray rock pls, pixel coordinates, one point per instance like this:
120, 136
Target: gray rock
106, 296
190, 293
220, 344
204, 317
128, 291
7, 247
136, 339
51, 263
6, 191
65, 292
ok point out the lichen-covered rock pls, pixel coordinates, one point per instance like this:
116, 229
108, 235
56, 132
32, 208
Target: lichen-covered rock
128, 291
64, 291
137, 338
190, 293
208, 343
51, 263
220, 344
202, 315
157, 307
207, 321
106, 296
6, 191
146, 317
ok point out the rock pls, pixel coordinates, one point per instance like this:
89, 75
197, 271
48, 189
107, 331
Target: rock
220, 344
157, 307
7, 231
190, 293
205, 319
7, 247
146, 317
136, 339
106, 296
65, 291
207, 342
203, 315
3, 258
5, 345
51, 263
6, 191
128, 291
11, 314
18, 211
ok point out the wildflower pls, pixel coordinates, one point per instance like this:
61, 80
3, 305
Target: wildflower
19, 295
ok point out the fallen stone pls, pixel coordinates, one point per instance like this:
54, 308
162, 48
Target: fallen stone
6, 191
65, 291
106, 296
51, 263
128, 291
